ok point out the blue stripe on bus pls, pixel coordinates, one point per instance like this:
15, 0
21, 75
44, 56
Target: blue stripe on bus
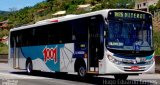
35, 52
130, 57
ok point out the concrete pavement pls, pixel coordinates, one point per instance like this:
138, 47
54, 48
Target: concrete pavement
9, 75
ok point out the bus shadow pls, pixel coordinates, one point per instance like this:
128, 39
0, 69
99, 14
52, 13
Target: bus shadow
89, 80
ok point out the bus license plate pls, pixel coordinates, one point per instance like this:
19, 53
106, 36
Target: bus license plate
134, 68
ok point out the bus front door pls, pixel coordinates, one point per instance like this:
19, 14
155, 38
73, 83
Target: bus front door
94, 44
15, 55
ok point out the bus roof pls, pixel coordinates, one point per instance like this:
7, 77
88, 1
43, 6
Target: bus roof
71, 17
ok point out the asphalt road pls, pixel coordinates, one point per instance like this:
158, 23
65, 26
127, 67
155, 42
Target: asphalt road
9, 76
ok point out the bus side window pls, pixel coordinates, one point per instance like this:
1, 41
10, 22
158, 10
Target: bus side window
80, 30
17, 38
12, 39
66, 33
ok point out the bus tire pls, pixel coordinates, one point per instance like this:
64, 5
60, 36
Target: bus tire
82, 71
121, 76
29, 67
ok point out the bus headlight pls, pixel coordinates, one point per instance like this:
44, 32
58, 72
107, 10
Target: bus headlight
112, 59
150, 61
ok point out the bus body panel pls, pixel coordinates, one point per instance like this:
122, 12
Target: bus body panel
17, 62
45, 57
66, 58
62, 57
49, 54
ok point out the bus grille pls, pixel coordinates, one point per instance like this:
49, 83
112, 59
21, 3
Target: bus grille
134, 63
129, 69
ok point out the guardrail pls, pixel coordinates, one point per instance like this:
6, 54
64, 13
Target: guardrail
3, 58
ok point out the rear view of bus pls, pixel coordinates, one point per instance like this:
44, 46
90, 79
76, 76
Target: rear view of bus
128, 43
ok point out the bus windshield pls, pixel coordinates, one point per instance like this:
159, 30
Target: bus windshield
129, 32
125, 35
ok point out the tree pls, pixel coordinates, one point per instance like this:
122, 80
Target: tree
13, 9
1, 18
128, 4
158, 5
152, 8
49, 0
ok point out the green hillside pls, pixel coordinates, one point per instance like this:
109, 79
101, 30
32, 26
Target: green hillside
46, 9
4, 13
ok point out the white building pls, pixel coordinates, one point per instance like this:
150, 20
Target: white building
86, 7
59, 13
144, 4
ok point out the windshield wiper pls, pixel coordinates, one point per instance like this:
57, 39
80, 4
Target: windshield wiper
131, 52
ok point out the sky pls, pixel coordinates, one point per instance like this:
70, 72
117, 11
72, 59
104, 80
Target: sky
5, 5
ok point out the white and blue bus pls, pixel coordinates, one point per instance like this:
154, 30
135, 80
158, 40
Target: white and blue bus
115, 42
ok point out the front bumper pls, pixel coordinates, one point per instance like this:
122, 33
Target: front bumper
112, 68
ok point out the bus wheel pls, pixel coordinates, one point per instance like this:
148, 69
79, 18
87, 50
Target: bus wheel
29, 67
121, 76
82, 71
